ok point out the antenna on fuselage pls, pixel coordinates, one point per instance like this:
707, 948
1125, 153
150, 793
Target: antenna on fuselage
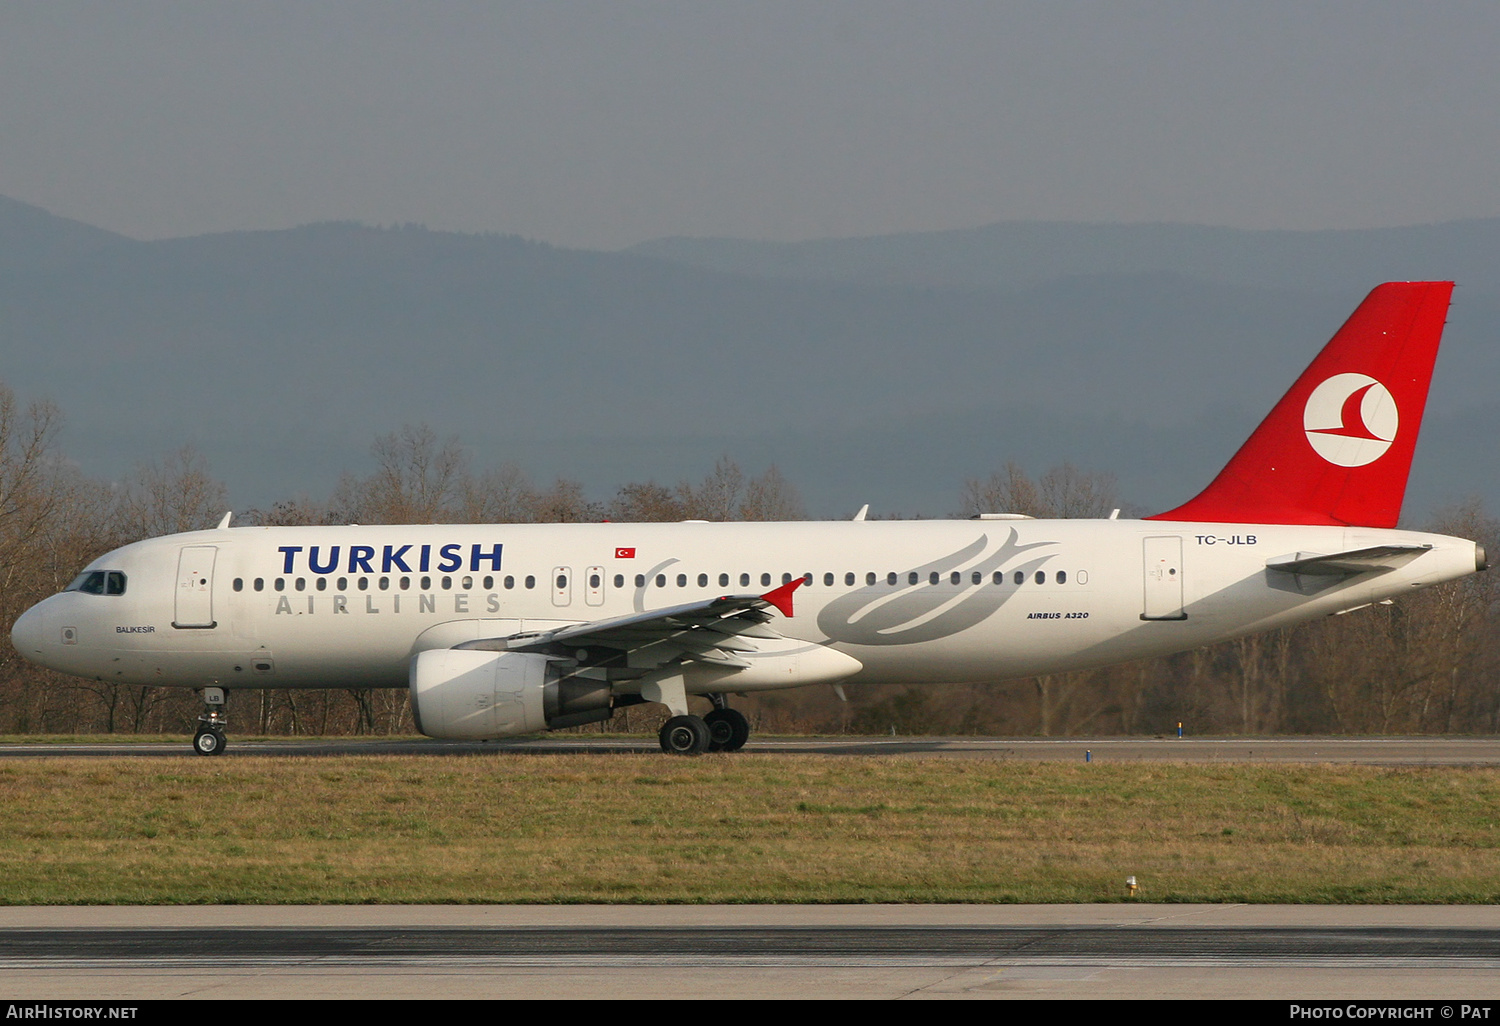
227, 518
862, 511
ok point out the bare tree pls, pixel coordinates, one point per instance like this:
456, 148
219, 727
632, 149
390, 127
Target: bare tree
416, 479
1064, 491
772, 497
502, 496
564, 503
647, 502
718, 496
178, 494
724, 495
32, 481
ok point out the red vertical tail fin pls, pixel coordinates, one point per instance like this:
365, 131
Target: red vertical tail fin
1337, 448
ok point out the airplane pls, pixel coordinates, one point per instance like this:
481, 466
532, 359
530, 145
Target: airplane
499, 630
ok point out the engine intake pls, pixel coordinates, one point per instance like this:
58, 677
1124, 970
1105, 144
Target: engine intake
474, 695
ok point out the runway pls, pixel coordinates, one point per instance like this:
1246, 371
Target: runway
1374, 751
653, 952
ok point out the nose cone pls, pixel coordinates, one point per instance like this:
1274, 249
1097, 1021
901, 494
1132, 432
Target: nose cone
29, 634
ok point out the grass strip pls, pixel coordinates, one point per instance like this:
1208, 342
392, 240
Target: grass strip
745, 828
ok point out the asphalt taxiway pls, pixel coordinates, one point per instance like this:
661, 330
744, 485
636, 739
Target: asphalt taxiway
1375, 751
1441, 954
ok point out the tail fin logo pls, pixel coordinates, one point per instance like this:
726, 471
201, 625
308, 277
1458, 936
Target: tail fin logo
1350, 420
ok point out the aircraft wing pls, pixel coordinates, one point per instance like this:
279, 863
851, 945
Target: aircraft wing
706, 631
1346, 564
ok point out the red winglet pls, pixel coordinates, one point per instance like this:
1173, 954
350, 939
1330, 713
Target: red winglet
781, 597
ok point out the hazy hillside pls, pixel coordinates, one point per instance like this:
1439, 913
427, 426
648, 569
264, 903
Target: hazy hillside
1018, 255
881, 371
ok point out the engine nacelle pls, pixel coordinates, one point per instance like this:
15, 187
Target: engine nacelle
472, 695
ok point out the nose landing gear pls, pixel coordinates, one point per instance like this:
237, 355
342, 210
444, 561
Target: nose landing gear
209, 740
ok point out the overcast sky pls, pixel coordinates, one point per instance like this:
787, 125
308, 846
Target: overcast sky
602, 123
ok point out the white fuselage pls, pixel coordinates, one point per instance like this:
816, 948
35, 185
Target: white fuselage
308, 607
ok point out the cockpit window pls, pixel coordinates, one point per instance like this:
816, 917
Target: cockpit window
91, 581
99, 582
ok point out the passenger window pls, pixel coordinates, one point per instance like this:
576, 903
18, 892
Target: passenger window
978, 577
765, 580
279, 584
510, 582
640, 580
807, 578
239, 584
723, 580
744, 580
385, 584
530, 581
661, 580
682, 580
849, 578
955, 578
322, 584
786, 578
619, 580
870, 577
828, 580
932, 578
468, 584
1062, 577
363, 584
300, 584
594, 581
703, 580
343, 584
260, 584
1041, 577
427, 584
489, 583
562, 581
912, 578
1020, 576
890, 578
999, 576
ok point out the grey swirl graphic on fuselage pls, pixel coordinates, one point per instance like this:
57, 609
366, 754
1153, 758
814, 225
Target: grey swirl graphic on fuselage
906, 614
639, 600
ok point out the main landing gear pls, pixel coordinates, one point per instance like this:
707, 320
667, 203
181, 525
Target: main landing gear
723, 730
209, 740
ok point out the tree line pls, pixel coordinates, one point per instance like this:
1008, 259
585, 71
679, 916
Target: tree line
1426, 663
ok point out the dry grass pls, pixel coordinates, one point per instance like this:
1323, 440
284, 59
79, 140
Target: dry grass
748, 828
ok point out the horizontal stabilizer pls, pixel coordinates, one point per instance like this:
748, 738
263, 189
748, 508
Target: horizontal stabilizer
1346, 564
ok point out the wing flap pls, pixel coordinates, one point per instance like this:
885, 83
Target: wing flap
708, 631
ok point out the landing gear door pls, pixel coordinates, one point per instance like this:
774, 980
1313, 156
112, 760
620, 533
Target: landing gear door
195, 588
1163, 578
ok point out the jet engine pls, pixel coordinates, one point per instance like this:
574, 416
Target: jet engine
473, 695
